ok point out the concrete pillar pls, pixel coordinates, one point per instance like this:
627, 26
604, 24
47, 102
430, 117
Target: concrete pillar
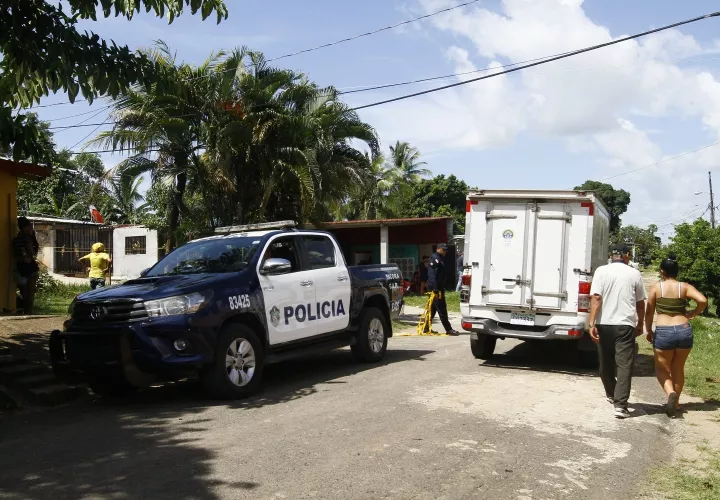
384, 245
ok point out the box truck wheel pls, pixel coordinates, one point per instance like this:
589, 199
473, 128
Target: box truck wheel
483, 347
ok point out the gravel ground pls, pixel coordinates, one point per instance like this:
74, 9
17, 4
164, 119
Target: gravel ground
429, 422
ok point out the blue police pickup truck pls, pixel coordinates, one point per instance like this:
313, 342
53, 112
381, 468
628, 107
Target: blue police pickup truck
226, 306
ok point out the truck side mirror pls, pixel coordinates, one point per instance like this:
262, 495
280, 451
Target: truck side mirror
273, 267
144, 272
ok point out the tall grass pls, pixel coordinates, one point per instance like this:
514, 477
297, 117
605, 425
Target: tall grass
53, 296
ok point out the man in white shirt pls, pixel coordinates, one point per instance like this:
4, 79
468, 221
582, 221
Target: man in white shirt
617, 313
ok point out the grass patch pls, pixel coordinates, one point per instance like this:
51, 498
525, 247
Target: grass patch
452, 299
691, 481
702, 372
55, 298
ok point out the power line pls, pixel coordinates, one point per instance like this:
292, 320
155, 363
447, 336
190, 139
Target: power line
355, 37
369, 33
538, 63
662, 161
55, 104
76, 115
659, 162
78, 126
367, 88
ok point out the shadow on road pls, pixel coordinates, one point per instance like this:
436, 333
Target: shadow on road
557, 357
149, 445
541, 356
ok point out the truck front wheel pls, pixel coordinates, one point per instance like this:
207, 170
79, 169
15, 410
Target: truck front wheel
238, 366
371, 342
483, 347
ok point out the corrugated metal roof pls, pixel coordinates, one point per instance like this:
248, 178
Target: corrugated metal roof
382, 222
33, 218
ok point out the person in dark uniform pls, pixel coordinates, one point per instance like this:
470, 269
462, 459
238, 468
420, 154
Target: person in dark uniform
436, 283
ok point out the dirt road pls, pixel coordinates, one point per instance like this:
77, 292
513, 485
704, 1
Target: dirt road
431, 422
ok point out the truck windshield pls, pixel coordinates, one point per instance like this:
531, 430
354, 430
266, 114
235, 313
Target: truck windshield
217, 255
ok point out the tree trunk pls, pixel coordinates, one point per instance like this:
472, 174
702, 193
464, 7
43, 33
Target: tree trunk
174, 216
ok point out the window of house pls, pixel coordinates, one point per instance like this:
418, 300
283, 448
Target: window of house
135, 245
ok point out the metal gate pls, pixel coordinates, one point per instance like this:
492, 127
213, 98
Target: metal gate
71, 243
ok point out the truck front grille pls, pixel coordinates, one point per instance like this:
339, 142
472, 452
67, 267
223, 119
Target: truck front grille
109, 312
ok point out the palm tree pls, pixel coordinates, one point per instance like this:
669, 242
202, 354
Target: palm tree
288, 135
162, 128
126, 198
405, 160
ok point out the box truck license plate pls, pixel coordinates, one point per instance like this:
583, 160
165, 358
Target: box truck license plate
522, 319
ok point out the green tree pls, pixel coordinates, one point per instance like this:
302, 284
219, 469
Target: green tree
125, 204
286, 143
162, 127
405, 163
43, 51
647, 244
696, 248
616, 200
234, 141
438, 197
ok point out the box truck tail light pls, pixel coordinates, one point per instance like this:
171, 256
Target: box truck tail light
469, 204
583, 296
466, 281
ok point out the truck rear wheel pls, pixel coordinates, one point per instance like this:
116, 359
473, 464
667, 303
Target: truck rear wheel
483, 347
371, 341
238, 366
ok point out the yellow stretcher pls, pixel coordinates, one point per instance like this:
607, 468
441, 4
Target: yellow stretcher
425, 324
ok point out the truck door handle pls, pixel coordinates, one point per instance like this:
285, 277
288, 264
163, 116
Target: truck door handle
306, 283
342, 278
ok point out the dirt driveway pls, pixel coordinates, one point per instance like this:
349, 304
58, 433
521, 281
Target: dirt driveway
431, 422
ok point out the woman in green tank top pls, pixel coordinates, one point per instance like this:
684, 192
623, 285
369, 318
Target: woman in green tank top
672, 338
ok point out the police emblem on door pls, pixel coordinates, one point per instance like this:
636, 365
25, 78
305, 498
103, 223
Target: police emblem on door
274, 316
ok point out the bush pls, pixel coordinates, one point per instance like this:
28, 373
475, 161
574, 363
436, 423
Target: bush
47, 284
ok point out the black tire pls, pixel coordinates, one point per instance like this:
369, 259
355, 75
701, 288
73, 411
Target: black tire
368, 347
484, 346
218, 377
108, 386
588, 359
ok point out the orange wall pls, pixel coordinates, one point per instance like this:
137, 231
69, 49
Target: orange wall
8, 229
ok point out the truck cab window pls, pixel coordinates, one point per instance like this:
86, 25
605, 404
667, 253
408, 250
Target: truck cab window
320, 252
283, 248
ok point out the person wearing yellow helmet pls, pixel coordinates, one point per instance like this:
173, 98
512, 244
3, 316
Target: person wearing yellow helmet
99, 265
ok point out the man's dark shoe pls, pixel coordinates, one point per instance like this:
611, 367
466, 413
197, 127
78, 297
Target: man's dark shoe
453, 333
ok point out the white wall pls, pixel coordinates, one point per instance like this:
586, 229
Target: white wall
130, 266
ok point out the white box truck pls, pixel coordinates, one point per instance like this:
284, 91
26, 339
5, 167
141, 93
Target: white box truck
529, 259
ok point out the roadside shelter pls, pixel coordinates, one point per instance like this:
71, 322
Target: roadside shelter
396, 241
10, 172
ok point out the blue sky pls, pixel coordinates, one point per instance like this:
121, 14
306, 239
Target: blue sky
551, 127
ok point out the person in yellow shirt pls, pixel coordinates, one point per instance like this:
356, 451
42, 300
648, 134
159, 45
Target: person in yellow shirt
99, 265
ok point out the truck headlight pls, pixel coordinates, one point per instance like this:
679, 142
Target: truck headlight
178, 305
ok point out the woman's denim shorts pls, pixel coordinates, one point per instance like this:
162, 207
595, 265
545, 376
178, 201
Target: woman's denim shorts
667, 338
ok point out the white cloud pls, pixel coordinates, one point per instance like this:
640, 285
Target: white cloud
590, 101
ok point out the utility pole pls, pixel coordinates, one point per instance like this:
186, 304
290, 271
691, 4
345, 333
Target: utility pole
712, 202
